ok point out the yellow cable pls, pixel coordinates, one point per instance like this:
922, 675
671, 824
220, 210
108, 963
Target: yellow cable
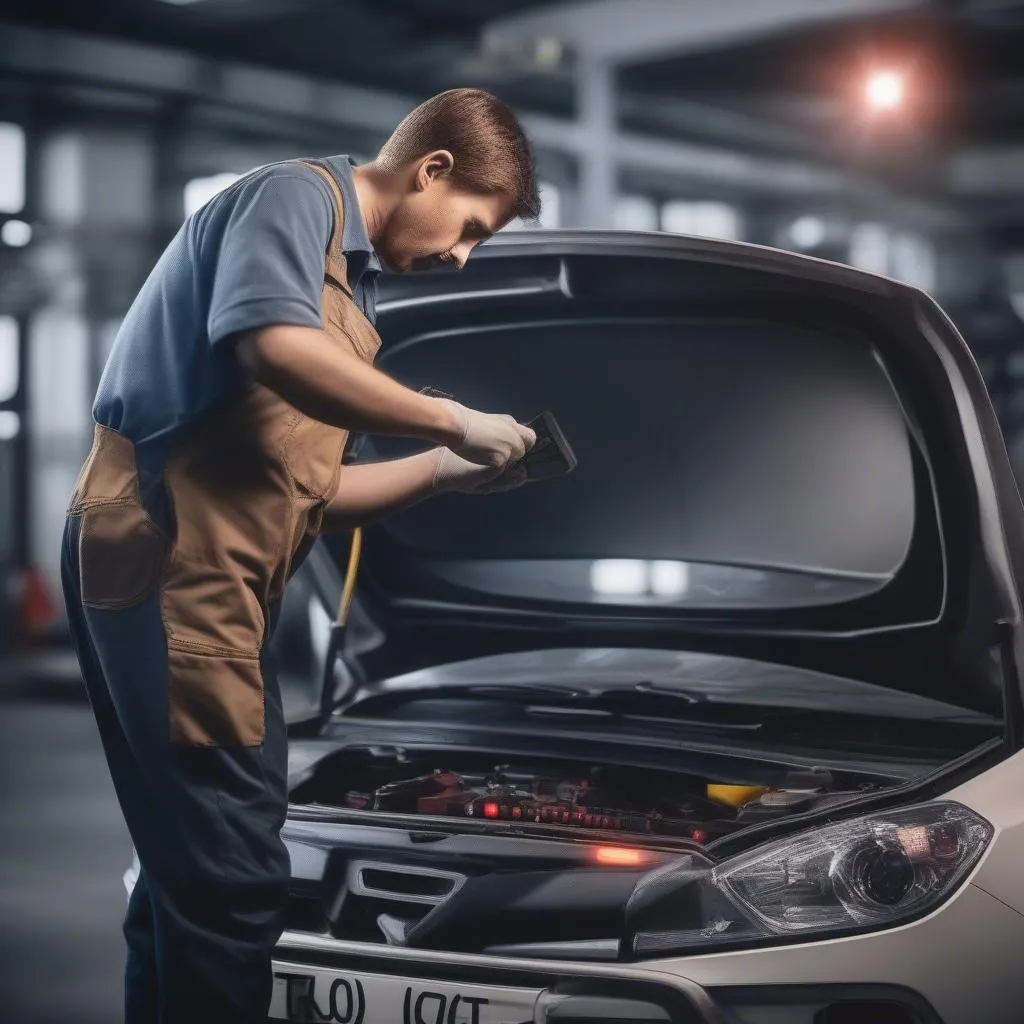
350, 575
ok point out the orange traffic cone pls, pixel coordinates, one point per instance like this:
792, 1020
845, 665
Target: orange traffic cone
36, 610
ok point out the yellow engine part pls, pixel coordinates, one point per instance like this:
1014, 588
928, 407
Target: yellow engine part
734, 796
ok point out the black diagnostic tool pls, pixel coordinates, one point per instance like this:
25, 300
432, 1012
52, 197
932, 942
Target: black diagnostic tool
551, 455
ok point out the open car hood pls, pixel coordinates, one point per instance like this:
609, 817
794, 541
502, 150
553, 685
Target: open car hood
779, 458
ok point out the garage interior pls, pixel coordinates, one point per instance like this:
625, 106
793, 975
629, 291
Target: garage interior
883, 134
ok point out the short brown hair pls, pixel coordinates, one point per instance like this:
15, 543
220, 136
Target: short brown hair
491, 151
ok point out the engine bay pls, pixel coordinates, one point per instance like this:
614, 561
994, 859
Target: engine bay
567, 794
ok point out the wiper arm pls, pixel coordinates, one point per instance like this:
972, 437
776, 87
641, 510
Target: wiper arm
523, 690
682, 707
642, 701
674, 692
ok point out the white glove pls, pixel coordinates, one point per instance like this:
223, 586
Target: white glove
490, 439
454, 473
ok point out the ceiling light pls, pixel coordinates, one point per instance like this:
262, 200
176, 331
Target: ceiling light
16, 233
548, 53
807, 232
10, 424
181, 3
884, 90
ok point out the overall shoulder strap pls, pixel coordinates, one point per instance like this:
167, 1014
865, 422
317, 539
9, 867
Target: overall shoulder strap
337, 266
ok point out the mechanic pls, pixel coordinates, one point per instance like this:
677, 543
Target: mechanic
221, 419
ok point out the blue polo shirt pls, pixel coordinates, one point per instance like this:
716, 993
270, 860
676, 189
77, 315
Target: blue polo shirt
252, 256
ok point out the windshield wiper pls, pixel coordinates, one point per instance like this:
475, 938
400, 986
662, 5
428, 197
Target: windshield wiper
523, 690
681, 706
674, 692
642, 701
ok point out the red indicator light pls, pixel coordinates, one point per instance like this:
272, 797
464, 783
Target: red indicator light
490, 809
619, 856
916, 842
698, 835
945, 844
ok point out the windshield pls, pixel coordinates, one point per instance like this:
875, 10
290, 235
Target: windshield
739, 463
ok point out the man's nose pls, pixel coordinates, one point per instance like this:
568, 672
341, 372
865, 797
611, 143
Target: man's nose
460, 253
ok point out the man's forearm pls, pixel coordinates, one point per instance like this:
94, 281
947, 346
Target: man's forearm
319, 379
368, 492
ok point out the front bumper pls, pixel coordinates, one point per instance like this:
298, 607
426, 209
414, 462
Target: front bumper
958, 965
325, 979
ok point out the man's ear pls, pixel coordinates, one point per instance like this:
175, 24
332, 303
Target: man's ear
433, 167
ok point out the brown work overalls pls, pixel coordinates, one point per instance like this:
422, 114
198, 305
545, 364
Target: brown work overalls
170, 620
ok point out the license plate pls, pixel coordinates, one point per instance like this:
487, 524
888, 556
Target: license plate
356, 997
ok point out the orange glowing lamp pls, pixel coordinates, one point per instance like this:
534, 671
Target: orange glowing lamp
620, 856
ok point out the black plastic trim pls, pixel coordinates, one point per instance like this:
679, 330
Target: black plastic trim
790, 995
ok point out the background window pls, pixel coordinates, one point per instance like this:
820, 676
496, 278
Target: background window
913, 261
12, 168
704, 218
869, 248
59, 399
550, 205
9, 369
199, 191
635, 213
550, 210
805, 233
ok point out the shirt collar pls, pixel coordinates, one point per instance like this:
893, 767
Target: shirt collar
354, 237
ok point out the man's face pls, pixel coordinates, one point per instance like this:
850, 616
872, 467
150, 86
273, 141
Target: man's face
437, 224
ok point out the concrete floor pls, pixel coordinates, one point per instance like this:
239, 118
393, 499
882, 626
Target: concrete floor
63, 848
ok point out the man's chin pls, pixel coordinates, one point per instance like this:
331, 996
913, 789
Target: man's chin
390, 263
419, 265
407, 264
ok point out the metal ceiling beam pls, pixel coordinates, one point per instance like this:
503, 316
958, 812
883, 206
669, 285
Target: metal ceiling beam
55, 58
988, 173
628, 31
606, 34
719, 123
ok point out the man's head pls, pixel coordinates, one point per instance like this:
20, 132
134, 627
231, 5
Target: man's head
460, 168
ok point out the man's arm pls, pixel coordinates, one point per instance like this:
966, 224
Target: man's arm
371, 491
337, 388
268, 268
368, 492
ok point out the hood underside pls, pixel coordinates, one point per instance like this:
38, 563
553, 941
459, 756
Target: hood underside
778, 459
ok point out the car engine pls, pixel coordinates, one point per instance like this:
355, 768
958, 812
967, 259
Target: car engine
599, 798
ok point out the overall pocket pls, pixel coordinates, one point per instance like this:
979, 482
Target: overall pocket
121, 555
121, 551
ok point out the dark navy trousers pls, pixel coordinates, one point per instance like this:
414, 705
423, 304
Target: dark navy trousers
207, 910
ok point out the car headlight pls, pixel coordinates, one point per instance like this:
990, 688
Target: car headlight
869, 872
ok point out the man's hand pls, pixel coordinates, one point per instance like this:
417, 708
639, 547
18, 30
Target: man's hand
489, 439
454, 473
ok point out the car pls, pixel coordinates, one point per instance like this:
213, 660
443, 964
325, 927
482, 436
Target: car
723, 725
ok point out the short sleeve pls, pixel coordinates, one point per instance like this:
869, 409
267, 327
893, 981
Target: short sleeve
269, 267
